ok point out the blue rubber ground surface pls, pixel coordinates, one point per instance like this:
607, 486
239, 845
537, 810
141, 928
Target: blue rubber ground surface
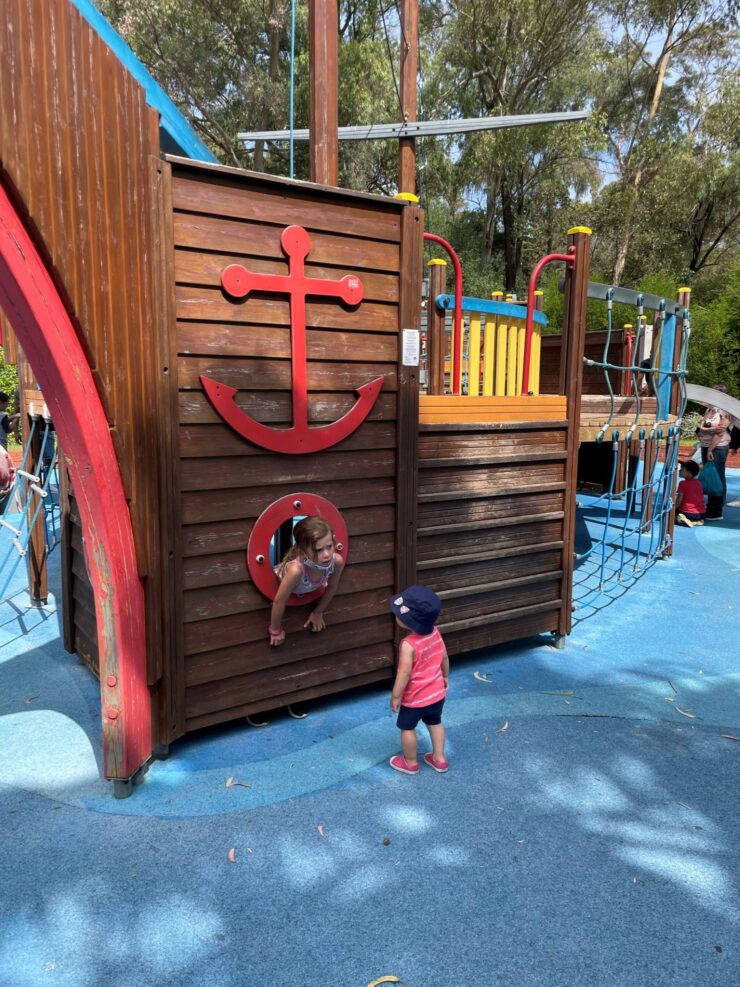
586, 834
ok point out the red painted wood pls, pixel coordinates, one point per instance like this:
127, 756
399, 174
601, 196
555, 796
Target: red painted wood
239, 282
44, 330
568, 259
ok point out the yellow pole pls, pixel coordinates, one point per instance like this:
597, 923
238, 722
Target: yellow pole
500, 350
521, 335
474, 356
534, 365
512, 381
489, 342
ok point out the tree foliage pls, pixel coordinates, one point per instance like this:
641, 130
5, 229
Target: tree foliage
655, 171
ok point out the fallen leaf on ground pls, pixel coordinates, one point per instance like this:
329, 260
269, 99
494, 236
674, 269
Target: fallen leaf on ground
504, 727
321, 830
230, 782
481, 677
387, 979
685, 712
232, 855
729, 736
29, 699
668, 699
557, 693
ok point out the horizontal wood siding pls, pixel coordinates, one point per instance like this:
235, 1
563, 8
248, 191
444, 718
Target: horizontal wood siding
80, 602
492, 504
224, 482
594, 379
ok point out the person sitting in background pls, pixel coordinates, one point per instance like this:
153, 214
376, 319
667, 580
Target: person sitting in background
690, 509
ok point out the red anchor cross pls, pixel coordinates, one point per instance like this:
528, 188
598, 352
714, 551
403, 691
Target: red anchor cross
238, 282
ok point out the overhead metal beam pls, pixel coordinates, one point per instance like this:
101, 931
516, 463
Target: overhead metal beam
427, 128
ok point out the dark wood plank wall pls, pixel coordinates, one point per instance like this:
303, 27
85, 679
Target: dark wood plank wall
225, 482
79, 602
491, 510
593, 377
77, 143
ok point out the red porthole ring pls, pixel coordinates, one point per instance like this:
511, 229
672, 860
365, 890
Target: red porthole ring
258, 548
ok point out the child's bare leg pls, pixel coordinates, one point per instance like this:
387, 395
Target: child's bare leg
409, 745
437, 735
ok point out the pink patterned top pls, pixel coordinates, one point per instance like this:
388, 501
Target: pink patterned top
313, 577
427, 684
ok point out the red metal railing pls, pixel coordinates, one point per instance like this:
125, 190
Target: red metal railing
455, 383
569, 259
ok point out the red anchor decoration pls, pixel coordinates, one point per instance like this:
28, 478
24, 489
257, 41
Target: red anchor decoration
238, 282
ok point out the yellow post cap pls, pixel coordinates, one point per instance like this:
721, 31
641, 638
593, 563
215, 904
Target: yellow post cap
437, 262
628, 325
406, 196
580, 229
497, 294
685, 289
538, 291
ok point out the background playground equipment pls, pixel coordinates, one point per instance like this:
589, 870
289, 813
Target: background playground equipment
149, 355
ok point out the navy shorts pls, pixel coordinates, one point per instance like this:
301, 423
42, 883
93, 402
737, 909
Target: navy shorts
409, 716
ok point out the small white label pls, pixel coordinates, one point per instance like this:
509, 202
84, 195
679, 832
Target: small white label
411, 347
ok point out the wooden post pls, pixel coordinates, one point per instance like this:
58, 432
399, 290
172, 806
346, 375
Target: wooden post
409, 66
436, 332
412, 247
323, 29
684, 299
574, 341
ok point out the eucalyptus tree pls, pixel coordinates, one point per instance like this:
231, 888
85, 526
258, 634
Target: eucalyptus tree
658, 59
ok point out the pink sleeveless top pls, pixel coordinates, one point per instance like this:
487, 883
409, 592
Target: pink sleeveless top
426, 685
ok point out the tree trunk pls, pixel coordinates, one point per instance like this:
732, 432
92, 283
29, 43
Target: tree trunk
491, 219
273, 72
635, 183
507, 215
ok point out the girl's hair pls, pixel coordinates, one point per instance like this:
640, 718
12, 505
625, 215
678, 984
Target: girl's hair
306, 533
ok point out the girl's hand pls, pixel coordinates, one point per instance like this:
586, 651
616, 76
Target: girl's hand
315, 621
277, 639
710, 456
395, 704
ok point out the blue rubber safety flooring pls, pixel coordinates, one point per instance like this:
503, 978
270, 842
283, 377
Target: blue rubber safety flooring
586, 832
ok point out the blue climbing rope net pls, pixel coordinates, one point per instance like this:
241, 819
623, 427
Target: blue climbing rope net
624, 530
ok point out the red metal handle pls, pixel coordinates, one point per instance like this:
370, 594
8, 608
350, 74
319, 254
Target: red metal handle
568, 258
457, 312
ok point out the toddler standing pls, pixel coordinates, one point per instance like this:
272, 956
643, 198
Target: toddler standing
421, 679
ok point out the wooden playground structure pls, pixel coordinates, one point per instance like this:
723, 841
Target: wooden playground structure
212, 344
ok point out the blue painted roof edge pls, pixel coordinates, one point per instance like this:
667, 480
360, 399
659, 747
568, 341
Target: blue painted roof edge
171, 119
491, 308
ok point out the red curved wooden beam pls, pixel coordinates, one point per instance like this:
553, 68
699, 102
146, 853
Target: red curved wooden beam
457, 313
569, 259
43, 327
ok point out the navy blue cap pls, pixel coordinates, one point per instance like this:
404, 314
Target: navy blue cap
417, 607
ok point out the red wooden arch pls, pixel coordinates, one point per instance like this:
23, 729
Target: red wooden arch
37, 314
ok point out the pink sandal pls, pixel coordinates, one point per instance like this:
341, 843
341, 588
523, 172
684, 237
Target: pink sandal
440, 766
399, 762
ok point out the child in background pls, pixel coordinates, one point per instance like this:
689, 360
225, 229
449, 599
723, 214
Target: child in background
421, 679
310, 564
690, 507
